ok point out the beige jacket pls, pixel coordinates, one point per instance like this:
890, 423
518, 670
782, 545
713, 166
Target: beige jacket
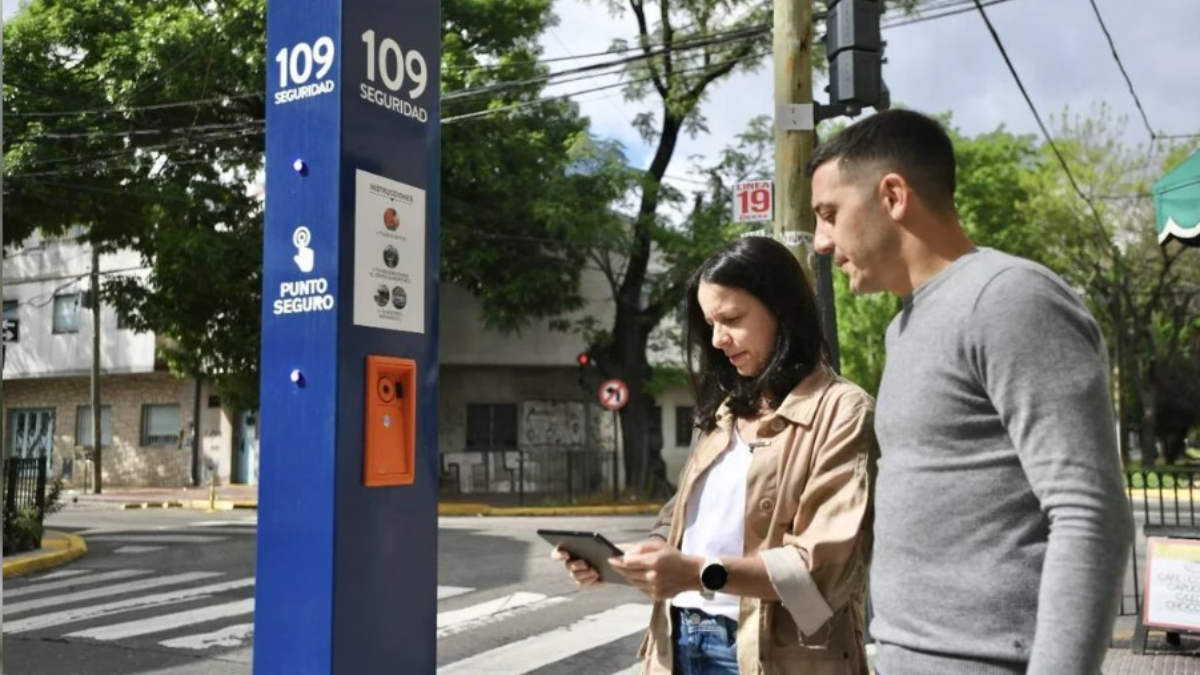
809, 512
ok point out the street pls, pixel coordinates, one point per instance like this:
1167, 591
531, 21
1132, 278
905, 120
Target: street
171, 592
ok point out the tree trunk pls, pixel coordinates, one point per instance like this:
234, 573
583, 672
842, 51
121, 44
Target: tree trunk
633, 325
1149, 435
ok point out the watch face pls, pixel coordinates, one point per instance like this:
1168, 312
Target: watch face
714, 577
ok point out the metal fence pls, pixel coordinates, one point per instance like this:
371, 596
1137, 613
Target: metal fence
24, 485
525, 477
1158, 498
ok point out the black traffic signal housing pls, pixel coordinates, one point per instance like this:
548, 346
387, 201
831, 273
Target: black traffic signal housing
585, 361
854, 47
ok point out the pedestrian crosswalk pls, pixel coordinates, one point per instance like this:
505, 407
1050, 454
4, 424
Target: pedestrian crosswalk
207, 613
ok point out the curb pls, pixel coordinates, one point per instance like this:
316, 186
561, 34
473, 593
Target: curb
485, 510
58, 548
453, 509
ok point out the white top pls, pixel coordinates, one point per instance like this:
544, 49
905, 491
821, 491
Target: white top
715, 521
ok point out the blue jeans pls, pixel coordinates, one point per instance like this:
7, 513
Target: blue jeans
704, 644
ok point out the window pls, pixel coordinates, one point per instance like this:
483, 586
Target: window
83, 426
160, 425
491, 425
31, 432
66, 313
685, 421
11, 309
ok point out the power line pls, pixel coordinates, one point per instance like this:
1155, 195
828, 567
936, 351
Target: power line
502, 86
1117, 57
526, 104
1045, 132
132, 109
140, 132
682, 44
953, 8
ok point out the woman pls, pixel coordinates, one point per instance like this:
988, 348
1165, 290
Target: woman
758, 564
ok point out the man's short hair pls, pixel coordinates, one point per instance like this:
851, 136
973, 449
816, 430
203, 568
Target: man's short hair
900, 141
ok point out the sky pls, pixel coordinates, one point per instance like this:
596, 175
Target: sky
952, 65
947, 65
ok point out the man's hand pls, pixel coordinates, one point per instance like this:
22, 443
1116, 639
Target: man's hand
659, 570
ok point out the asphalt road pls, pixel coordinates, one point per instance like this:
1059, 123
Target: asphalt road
171, 593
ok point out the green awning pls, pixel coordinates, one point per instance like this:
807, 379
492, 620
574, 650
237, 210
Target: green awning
1177, 203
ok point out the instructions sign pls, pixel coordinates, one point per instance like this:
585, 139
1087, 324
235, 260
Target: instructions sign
1172, 583
753, 201
614, 394
11, 330
389, 254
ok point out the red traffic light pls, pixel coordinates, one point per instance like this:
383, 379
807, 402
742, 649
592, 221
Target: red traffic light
583, 359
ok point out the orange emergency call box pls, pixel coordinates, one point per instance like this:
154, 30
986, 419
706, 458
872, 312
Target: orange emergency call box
391, 429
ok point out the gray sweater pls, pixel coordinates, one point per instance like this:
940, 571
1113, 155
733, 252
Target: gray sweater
1002, 526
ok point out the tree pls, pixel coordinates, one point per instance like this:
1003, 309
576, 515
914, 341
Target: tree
1145, 295
683, 49
144, 123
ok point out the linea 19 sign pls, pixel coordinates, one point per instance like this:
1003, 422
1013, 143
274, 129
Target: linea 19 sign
753, 201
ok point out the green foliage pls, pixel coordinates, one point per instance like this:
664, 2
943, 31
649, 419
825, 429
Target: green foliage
133, 159
23, 529
143, 123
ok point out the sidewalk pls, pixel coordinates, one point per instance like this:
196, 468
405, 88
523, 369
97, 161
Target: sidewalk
1159, 659
58, 548
230, 497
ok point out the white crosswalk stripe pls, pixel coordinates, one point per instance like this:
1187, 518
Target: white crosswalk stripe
524, 656
444, 592
199, 612
492, 611
162, 624
119, 589
230, 636
42, 587
42, 621
156, 539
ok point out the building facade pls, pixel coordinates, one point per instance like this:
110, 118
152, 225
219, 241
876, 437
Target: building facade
511, 407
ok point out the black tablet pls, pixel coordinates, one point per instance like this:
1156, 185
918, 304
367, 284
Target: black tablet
590, 546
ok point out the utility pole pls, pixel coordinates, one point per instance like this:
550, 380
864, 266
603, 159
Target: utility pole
795, 138
795, 128
854, 49
96, 414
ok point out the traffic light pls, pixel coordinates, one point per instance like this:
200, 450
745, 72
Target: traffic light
584, 360
854, 47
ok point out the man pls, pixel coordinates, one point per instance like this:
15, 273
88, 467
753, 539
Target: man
1002, 529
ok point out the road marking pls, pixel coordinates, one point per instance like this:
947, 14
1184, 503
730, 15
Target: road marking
451, 591
632, 670
62, 574
97, 611
130, 550
524, 656
132, 587
244, 522
166, 622
158, 539
492, 611
68, 583
230, 636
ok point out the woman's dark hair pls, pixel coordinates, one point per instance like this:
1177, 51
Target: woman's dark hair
767, 270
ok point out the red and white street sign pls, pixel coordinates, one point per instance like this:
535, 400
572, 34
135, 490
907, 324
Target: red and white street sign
753, 201
614, 394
